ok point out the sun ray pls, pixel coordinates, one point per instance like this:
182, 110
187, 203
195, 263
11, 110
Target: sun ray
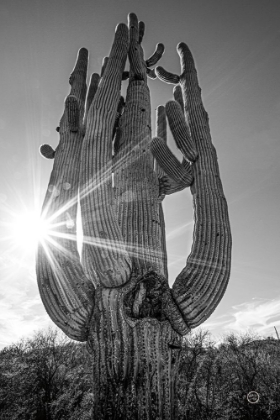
30, 226
133, 248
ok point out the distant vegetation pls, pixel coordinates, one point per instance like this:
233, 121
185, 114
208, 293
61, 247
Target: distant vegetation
48, 377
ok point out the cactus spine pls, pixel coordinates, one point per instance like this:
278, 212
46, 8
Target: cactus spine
117, 298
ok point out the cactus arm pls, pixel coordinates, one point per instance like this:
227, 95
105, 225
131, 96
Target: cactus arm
66, 292
170, 164
168, 187
72, 113
167, 76
180, 131
201, 284
104, 64
177, 176
156, 56
104, 256
178, 96
77, 79
141, 31
172, 175
93, 85
161, 126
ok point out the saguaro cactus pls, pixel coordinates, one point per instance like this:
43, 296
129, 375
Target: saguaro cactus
116, 296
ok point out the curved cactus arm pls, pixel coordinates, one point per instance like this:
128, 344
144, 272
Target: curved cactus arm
104, 256
177, 175
178, 97
156, 56
93, 85
172, 175
175, 178
166, 76
201, 284
170, 164
173, 313
168, 187
66, 292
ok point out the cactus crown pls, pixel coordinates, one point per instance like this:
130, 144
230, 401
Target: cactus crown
103, 137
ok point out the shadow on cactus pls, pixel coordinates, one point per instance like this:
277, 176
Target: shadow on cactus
115, 296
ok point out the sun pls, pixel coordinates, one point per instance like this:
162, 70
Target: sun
28, 229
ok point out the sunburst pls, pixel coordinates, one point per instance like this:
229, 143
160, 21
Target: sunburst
28, 229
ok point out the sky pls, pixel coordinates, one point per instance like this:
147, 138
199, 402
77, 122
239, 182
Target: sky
236, 49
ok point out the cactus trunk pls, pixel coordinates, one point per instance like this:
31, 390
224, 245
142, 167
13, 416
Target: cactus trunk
135, 362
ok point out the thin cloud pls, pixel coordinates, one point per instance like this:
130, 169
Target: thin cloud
259, 316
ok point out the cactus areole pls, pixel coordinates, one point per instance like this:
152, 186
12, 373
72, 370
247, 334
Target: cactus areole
115, 295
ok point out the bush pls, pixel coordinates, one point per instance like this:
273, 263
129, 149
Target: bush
48, 377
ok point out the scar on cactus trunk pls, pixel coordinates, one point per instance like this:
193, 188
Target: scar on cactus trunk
116, 297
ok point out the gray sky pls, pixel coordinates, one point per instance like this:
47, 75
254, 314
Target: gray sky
236, 49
